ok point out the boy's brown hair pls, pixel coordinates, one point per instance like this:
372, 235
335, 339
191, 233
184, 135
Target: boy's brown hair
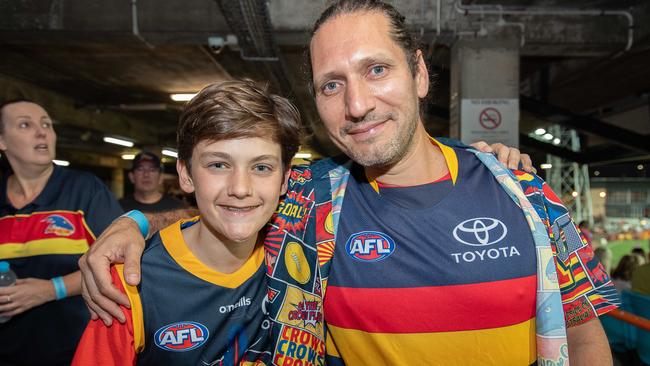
238, 109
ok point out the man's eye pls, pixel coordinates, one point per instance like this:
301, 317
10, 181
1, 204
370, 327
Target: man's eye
377, 70
330, 87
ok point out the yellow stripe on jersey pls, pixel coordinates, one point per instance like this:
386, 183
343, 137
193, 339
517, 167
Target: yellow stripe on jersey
136, 310
450, 158
512, 345
43, 247
174, 242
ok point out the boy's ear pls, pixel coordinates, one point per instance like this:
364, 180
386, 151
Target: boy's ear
285, 181
184, 177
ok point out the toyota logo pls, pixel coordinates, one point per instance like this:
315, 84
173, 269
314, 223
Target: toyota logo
480, 231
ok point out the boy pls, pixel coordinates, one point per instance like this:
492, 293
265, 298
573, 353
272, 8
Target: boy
203, 282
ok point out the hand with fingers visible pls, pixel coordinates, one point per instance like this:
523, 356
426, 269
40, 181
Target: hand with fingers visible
121, 242
27, 293
511, 157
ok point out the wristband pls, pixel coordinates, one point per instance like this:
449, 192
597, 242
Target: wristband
139, 219
59, 288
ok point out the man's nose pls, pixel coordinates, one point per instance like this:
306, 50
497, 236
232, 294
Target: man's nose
359, 99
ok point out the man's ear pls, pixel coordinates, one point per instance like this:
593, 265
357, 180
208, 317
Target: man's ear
421, 75
131, 178
285, 180
184, 177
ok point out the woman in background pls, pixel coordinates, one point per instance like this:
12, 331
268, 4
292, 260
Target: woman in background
49, 216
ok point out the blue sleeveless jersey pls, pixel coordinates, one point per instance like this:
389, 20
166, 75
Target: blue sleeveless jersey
194, 315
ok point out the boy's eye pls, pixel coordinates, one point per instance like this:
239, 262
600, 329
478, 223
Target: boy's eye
218, 165
262, 168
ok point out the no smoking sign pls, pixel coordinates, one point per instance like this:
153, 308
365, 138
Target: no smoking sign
490, 118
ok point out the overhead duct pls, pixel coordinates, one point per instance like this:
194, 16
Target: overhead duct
250, 21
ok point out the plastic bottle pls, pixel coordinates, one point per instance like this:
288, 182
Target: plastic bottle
7, 278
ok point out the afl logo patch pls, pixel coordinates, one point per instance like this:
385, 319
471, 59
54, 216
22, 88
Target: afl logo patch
181, 336
296, 263
370, 246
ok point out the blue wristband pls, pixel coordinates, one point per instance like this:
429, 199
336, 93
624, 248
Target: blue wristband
59, 288
139, 219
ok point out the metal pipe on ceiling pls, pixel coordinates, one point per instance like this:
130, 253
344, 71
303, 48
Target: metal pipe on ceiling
484, 9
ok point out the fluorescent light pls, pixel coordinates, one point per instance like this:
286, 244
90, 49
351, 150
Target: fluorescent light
170, 153
556, 141
182, 97
116, 141
128, 156
639, 167
596, 172
540, 131
548, 137
602, 194
302, 155
546, 166
574, 194
61, 162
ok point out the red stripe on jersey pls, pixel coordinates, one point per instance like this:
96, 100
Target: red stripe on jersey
432, 309
44, 225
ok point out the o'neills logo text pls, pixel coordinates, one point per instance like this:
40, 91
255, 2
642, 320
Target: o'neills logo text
244, 301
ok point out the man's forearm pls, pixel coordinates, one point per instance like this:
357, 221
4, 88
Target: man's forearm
588, 345
160, 220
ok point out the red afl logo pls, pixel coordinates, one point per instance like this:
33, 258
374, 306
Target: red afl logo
181, 336
370, 246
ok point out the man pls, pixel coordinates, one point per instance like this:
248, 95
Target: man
146, 176
424, 258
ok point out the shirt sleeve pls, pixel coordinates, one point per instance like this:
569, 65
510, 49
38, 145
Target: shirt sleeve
102, 345
102, 209
587, 291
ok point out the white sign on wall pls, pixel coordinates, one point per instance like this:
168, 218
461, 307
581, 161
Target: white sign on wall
490, 120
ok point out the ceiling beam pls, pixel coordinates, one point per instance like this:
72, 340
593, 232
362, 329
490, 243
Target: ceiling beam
587, 124
65, 111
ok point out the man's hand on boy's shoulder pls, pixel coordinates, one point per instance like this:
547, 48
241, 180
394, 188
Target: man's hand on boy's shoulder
121, 242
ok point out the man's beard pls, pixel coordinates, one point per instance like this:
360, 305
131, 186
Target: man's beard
386, 154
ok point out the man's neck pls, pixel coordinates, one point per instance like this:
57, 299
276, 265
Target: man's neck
26, 183
423, 163
147, 197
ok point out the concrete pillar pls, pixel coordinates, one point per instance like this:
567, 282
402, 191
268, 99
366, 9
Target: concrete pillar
117, 182
484, 103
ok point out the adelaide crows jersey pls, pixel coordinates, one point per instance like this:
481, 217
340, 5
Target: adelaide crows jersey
185, 313
43, 240
450, 282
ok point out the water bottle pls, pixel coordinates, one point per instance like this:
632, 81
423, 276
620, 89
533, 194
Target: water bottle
7, 278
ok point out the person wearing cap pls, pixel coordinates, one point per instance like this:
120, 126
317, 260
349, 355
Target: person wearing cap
146, 176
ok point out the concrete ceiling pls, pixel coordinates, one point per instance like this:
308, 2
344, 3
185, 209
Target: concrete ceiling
107, 67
